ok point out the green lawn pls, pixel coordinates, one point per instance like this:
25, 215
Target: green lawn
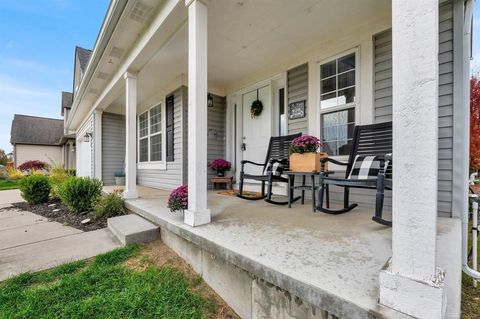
105, 287
470, 294
4, 185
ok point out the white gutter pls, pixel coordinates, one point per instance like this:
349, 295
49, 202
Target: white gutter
114, 12
466, 59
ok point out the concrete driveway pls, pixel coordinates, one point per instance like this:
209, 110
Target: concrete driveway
30, 242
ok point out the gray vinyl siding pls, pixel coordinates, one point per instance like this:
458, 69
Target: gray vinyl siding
217, 119
171, 177
297, 90
383, 98
176, 173
382, 71
445, 111
113, 146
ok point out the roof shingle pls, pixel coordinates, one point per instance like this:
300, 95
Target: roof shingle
83, 57
28, 129
67, 100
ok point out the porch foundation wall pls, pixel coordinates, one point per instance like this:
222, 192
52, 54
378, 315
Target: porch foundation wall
249, 296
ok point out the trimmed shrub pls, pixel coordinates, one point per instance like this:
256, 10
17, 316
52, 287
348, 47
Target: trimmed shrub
110, 205
35, 189
33, 165
57, 175
80, 193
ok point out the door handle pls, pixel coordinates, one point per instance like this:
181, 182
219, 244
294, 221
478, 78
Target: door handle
244, 147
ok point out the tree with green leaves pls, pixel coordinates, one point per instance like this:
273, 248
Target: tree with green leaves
3, 157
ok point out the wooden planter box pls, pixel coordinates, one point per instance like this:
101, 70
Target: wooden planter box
307, 162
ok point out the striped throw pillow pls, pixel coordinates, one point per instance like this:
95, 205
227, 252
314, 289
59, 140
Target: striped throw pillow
365, 167
276, 166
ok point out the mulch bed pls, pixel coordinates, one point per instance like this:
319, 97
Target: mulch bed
63, 215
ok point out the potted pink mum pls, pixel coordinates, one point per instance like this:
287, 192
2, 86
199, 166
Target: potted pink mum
220, 166
304, 155
178, 199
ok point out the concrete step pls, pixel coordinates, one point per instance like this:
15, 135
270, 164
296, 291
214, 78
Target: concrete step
132, 229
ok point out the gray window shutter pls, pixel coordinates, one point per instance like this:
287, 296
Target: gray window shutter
170, 104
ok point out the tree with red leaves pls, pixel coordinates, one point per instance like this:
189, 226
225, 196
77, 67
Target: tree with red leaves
32, 165
475, 123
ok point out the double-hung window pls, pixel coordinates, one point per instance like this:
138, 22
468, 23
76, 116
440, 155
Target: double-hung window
150, 135
338, 90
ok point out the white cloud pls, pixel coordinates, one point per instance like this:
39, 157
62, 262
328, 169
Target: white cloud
8, 86
30, 65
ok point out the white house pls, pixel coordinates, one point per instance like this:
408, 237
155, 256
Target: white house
140, 105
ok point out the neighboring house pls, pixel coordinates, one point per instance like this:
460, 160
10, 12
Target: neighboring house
46, 139
43, 139
140, 105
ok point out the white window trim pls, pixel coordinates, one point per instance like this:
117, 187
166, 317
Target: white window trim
356, 105
162, 164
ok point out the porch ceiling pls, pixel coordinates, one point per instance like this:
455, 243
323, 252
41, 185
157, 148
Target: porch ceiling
249, 38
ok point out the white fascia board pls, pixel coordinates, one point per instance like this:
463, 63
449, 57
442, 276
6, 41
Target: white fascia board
132, 62
113, 15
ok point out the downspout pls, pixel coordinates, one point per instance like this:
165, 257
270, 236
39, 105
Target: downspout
466, 60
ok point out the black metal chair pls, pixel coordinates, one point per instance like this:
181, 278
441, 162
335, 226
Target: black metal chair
368, 140
278, 149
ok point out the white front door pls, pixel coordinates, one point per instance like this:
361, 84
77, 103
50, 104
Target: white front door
256, 130
84, 161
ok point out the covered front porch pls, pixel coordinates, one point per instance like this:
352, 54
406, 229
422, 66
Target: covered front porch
357, 63
330, 263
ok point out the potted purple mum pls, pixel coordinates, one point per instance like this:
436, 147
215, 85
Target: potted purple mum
220, 166
178, 199
304, 156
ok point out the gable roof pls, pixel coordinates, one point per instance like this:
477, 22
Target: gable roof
83, 57
28, 129
67, 100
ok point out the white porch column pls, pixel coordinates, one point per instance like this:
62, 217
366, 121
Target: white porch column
411, 282
131, 136
197, 212
97, 143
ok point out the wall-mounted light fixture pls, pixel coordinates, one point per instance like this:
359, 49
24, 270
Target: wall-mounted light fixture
87, 137
209, 100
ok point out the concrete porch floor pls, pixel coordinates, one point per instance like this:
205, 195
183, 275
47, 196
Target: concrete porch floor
332, 262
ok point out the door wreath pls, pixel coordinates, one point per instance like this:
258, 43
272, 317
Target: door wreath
256, 108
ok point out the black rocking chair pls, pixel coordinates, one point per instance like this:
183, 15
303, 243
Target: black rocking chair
278, 149
368, 140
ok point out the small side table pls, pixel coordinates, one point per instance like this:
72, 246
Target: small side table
227, 180
303, 187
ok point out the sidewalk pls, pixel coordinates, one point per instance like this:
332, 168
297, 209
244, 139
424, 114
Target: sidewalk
30, 242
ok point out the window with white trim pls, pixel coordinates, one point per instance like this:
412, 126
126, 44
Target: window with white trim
150, 132
338, 89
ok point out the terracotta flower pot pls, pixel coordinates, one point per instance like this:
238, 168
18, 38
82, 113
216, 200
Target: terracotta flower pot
307, 162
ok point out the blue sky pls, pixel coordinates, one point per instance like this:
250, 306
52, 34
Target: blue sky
37, 42
476, 38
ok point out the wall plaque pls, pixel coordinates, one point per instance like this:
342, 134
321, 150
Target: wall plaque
296, 110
